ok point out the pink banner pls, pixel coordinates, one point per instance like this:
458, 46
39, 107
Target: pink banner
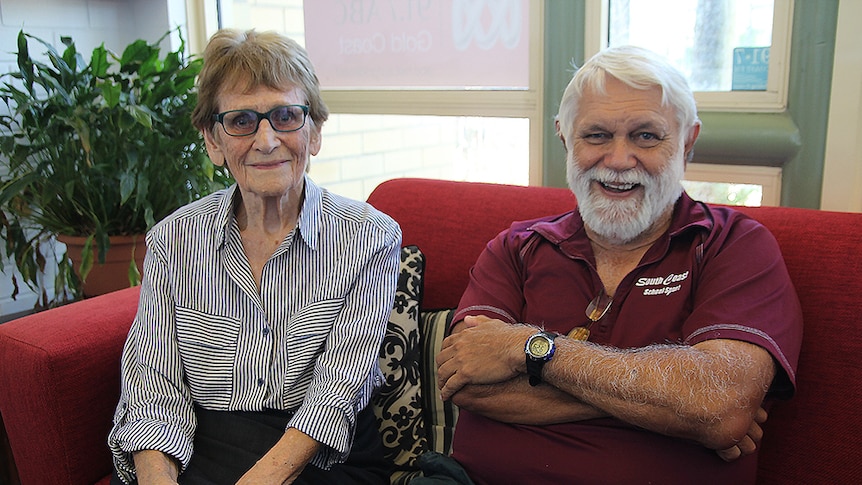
419, 43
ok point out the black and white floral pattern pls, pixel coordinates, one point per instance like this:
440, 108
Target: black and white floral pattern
398, 403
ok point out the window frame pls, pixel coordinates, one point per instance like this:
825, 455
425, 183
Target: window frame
503, 103
773, 99
768, 178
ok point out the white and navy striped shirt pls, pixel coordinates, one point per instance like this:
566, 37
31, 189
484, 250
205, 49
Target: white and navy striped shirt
308, 341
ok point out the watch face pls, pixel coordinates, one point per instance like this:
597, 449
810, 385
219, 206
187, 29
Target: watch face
539, 346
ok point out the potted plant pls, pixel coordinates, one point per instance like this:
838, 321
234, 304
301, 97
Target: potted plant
95, 150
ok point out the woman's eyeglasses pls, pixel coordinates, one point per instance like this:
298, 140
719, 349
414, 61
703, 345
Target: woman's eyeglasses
596, 309
245, 122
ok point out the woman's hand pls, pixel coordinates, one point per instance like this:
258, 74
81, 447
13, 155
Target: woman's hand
155, 468
284, 462
267, 473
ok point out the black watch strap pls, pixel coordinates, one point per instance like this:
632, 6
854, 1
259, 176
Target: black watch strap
534, 370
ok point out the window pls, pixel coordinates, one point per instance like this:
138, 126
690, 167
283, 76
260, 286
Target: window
733, 185
409, 44
735, 52
459, 130
708, 40
361, 150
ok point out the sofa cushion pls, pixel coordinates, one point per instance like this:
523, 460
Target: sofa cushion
398, 402
452, 221
440, 416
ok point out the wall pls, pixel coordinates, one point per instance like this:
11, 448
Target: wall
812, 52
842, 171
90, 23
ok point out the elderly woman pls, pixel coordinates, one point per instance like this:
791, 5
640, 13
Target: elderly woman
253, 354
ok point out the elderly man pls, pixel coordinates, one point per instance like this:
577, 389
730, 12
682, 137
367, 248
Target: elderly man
635, 339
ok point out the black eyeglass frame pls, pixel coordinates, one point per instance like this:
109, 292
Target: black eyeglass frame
219, 117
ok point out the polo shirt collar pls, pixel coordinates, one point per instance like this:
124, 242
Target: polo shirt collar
567, 230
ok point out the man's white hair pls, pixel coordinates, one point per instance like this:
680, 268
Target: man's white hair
637, 67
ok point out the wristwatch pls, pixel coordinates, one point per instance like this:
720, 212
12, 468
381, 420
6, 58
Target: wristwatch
539, 349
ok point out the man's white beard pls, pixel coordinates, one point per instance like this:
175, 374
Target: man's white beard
622, 221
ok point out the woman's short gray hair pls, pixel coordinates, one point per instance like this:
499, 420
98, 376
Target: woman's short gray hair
637, 67
246, 60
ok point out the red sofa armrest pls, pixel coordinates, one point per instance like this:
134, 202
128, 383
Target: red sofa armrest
59, 384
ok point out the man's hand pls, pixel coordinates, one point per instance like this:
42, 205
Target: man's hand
748, 444
482, 351
708, 392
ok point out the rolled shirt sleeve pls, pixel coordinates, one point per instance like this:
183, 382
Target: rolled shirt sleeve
155, 409
346, 372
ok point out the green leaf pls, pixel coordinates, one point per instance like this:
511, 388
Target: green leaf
25, 66
150, 66
141, 115
172, 62
148, 216
99, 62
127, 186
70, 55
15, 186
103, 243
208, 169
86, 258
82, 129
134, 274
69, 189
134, 55
111, 92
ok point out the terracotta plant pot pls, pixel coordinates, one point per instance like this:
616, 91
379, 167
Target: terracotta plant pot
114, 273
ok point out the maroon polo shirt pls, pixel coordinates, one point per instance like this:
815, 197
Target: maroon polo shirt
715, 273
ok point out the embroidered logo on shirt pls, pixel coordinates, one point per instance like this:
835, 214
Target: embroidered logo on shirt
662, 285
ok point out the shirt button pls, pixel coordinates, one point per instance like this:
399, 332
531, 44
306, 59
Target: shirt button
265, 331
260, 382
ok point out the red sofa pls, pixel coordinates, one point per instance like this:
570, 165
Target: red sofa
59, 368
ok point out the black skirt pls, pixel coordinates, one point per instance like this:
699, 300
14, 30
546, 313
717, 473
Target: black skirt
228, 443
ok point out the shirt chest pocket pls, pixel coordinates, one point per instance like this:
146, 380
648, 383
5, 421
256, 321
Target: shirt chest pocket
208, 346
307, 332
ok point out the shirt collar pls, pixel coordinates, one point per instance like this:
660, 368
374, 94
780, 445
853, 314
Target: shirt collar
308, 224
311, 213
567, 230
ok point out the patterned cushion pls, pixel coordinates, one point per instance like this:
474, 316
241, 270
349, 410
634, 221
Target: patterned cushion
398, 402
440, 417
